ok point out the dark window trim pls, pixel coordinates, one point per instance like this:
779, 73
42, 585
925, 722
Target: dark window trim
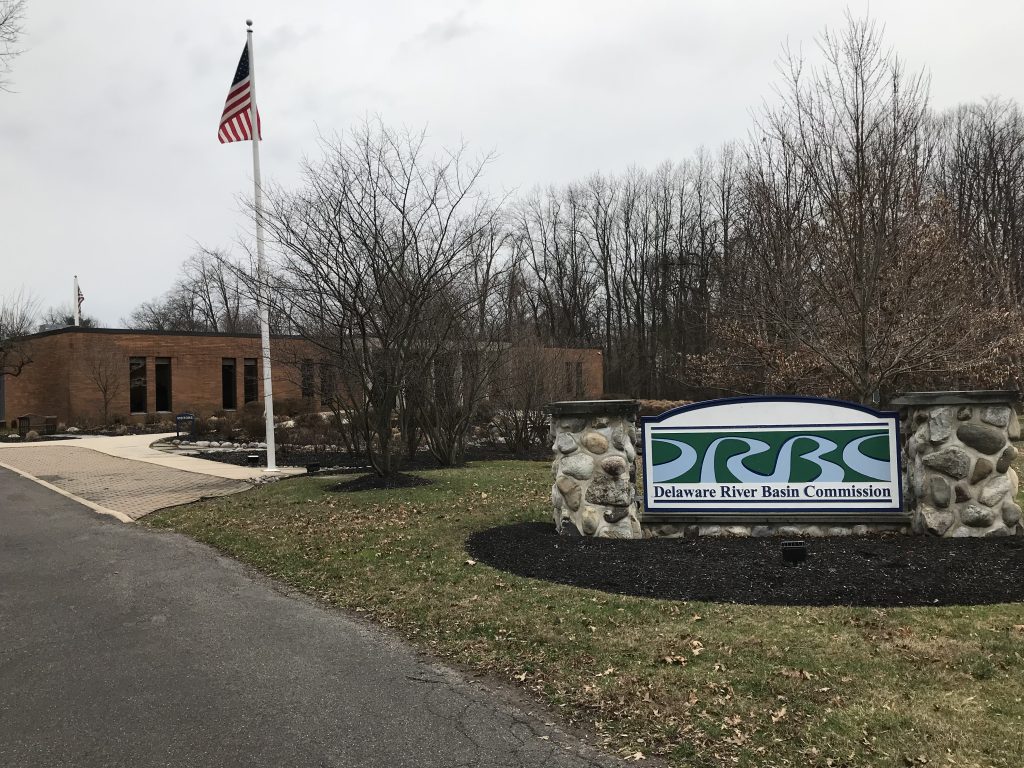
225, 364
247, 364
307, 379
157, 363
145, 385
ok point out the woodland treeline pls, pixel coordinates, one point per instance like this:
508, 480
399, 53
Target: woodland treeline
858, 242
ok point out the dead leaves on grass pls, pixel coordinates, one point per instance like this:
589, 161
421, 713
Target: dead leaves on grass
795, 674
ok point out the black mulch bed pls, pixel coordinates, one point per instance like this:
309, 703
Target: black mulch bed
377, 483
850, 570
339, 462
334, 462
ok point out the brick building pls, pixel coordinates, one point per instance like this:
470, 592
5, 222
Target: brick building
81, 374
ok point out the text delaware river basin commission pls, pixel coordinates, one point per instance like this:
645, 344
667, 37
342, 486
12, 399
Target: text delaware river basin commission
786, 493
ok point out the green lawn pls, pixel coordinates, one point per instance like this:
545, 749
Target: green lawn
701, 684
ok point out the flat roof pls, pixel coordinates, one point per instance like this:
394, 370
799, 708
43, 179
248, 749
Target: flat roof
140, 332
222, 335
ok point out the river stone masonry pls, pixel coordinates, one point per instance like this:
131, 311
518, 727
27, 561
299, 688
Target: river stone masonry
957, 456
594, 468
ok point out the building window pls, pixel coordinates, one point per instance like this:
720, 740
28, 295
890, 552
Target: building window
328, 384
228, 384
137, 384
251, 380
306, 377
163, 383
579, 381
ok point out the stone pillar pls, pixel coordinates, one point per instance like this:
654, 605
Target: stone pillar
594, 491
957, 478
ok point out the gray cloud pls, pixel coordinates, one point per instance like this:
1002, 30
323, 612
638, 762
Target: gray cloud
447, 30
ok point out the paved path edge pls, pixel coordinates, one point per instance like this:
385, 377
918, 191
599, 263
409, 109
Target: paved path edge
84, 502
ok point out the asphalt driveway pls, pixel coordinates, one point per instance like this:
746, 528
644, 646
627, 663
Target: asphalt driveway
122, 646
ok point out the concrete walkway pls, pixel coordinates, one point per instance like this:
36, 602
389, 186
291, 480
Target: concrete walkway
125, 647
124, 477
137, 448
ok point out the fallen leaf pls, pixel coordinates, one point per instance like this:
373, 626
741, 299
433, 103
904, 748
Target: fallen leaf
470, 561
778, 715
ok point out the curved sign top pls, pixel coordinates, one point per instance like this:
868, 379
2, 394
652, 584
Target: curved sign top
772, 454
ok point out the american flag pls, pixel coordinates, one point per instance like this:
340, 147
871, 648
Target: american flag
235, 124
81, 297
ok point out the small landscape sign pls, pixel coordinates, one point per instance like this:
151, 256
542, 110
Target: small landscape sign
185, 422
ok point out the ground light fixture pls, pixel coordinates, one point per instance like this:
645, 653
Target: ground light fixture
794, 552
253, 460
313, 467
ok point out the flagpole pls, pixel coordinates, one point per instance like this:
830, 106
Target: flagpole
268, 387
78, 307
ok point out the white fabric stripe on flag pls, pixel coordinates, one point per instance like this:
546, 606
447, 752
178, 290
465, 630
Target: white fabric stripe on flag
238, 87
236, 111
233, 105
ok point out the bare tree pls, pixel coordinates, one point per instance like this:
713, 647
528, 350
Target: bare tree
979, 174
12, 14
460, 376
222, 299
520, 394
64, 315
886, 290
209, 296
17, 317
362, 252
106, 370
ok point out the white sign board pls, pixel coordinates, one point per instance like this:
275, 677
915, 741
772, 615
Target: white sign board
777, 455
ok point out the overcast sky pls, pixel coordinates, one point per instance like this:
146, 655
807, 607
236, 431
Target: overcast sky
109, 159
